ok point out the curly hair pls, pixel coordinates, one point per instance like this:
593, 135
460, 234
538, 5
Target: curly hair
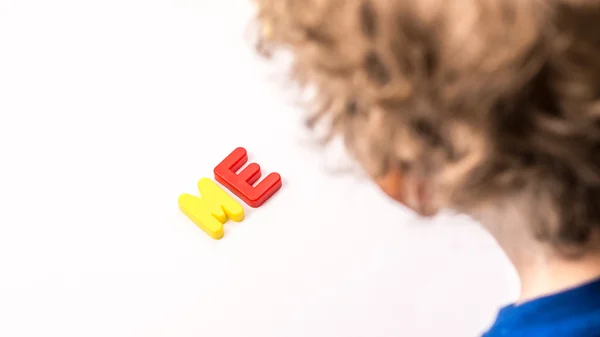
485, 99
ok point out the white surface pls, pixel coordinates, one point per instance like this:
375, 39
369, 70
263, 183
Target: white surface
110, 109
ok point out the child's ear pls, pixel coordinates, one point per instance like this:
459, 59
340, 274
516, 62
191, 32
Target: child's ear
409, 191
393, 185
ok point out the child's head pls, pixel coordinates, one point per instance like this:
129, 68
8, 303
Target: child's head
471, 105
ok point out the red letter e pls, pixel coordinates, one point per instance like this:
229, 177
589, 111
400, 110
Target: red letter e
241, 184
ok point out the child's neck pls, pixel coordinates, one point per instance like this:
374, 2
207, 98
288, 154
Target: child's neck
546, 276
542, 271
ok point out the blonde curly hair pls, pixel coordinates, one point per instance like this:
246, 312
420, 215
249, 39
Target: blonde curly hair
483, 99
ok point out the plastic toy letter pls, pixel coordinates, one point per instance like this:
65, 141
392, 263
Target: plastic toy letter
211, 210
241, 184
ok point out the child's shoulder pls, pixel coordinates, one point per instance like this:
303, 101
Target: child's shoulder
571, 313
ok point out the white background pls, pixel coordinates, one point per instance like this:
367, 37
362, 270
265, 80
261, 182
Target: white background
111, 109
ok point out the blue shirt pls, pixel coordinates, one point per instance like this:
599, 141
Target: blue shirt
571, 313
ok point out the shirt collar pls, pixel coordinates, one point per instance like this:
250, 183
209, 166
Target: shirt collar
562, 305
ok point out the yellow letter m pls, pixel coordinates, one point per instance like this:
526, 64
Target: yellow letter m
211, 210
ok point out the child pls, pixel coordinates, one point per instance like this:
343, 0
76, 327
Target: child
487, 107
